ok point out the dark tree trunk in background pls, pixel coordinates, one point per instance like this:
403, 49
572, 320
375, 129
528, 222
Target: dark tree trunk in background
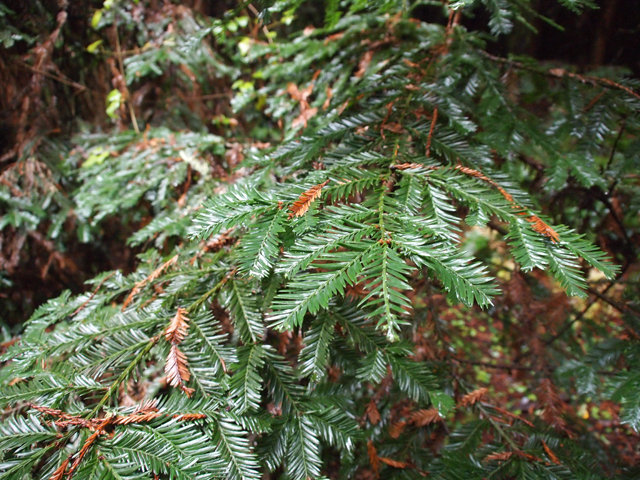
609, 35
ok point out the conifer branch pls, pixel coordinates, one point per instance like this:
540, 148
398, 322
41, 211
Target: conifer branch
153, 276
177, 370
177, 329
87, 446
124, 375
176, 367
560, 73
300, 206
314, 329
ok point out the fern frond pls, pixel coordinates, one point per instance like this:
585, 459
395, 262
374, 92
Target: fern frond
373, 367
439, 208
412, 377
209, 343
595, 257
18, 433
233, 208
358, 329
334, 234
410, 194
336, 428
565, 268
276, 445
464, 280
282, 387
527, 248
385, 292
347, 181
50, 388
167, 449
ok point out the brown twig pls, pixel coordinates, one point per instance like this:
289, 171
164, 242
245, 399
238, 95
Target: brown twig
614, 148
153, 276
568, 325
70, 83
512, 415
93, 294
561, 73
265, 30
497, 366
594, 100
621, 307
431, 129
124, 81
87, 445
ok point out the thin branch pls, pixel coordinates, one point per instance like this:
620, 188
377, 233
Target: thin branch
81, 307
204, 297
134, 363
621, 307
615, 144
431, 129
560, 73
212, 96
595, 100
579, 316
70, 83
265, 30
498, 366
124, 81
87, 445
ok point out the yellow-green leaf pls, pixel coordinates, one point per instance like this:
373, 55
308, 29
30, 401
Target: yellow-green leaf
94, 46
97, 16
97, 156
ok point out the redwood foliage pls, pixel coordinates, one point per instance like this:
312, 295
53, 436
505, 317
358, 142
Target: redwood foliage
341, 239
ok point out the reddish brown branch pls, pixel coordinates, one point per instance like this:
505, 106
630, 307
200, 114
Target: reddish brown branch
431, 129
87, 445
93, 294
303, 203
561, 73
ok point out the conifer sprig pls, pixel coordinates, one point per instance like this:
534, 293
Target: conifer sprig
312, 316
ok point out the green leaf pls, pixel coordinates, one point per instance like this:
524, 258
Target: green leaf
114, 100
97, 156
93, 47
95, 20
